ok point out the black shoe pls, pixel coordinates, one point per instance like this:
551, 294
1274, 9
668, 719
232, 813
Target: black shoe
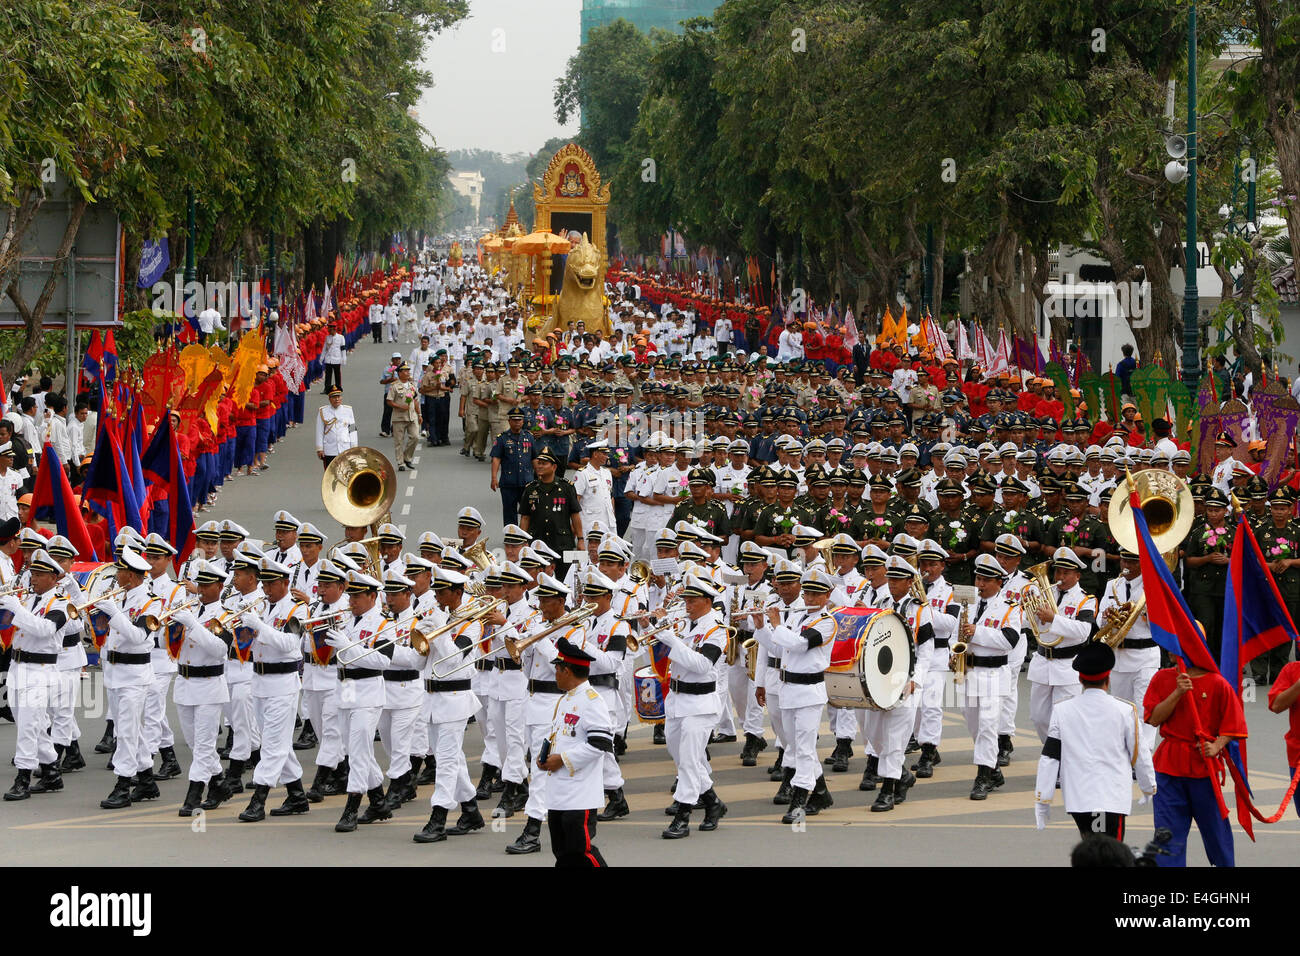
885, 798
193, 796
435, 831
798, 806
673, 809
784, 791
224, 750
659, 737
906, 782
843, 750
170, 767
620, 745
396, 792
506, 806
913, 745
484, 788
254, 759
256, 809
51, 780
217, 793
869, 776
924, 766
754, 744
1005, 748
996, 778
464, 453
530, 841
774, 772
313, 792
376, 810
105, 745
681, 825
428, 773
235, 777
295, 802
723, 739
469, 820
820, 798
983, 784
72, 759
145, 788
348, 822
120, 797
306, 738
22, 788
336, 784
830, 757
714, 809
615, 807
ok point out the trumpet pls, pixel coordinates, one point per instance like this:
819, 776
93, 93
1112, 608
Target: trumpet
635, 643
14, 590
513, 647
474, 610
75, 610
579, 614
154, 622
324, 620
218, 624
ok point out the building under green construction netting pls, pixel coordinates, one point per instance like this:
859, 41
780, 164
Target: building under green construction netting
643, 14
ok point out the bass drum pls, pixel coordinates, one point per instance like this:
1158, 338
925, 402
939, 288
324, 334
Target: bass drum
649, 695
872, 659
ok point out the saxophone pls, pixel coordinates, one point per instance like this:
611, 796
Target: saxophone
959, 651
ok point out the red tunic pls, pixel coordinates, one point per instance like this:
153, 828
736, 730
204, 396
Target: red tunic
1289, 675
1220, 715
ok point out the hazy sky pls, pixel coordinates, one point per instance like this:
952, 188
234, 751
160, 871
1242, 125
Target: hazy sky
494, 75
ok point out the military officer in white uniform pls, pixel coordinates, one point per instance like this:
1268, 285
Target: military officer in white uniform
603, 637
320, 682
336, 427
932, 558
595, 487
403, 693
1138, 657
157, 730
1051, 678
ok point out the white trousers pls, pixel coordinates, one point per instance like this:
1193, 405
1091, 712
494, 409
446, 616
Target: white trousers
779, 729
157, 731
801, 750
131, 756
535, 808
200, 724
239, 711
889, 730
30, 694
505, 749
63, 709
929, 712
1126, 685
397, 730
1011, 703
982, 694
421, 742
1042, 697
363, 770
323, 712
279, 763
687, 738
845, 722
451, 783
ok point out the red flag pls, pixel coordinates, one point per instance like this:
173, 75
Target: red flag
52, 500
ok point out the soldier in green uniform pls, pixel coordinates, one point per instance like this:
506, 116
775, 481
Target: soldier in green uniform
981, 504
1082, 534
549, 509
775, 525
908, 498
818, 498
1280, 543
762, 493
954, 533
1111, 547
875, 523
700, 509
1258, 509
1013, 517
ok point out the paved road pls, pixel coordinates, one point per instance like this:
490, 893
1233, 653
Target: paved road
937, 825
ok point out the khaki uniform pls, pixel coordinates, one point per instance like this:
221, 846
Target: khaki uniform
476, 418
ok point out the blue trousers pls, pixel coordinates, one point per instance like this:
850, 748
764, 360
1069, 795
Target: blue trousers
1179, 801
510, 495
245, 445
263, 433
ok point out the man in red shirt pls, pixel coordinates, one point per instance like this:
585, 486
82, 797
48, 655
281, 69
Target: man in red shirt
1282, 697
1184, 763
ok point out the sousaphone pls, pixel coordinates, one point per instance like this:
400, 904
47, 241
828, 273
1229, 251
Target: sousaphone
359, 488
1167, 504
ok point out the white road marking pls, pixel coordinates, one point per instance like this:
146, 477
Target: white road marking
410, 490
406, 510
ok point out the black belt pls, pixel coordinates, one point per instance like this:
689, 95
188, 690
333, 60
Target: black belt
603, 680
358, 673
941, 642
794, 677
483, 666
994, 661
398, 676
445, 686
1136, 644
275, 667
1060, 653
685, 687
774, 663
505, 664
543, 687
117, 657
190, 670
72, 640
31, 657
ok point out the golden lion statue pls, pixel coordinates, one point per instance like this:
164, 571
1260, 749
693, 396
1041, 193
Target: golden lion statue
582, 297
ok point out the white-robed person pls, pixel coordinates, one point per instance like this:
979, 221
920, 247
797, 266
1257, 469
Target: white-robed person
320, 682
944, 612
64, 730
503, 694
201, 691
785, 597
604, 637
158, 734
1051, 677
336, 428
403, 692
242, 590
753, 594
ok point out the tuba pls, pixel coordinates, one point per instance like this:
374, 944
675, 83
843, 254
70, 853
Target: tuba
358, 490
478, 553
1167, 504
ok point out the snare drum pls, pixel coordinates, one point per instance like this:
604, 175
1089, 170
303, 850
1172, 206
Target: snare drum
871, 659
649, 695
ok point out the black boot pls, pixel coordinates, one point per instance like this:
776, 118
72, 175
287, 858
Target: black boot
905, 783
996, 778
830, 758
416, 763
530, 841
396, 788
714, 809
429, 772
193, 796
774, 772
254, 759
681, 825
217, 793
376, 810
506, 806
313, 792
408, 791
659, 737
170, 767
620, 745
820, 798
754, 745
798, 806
145, 788
51, 780
235, 777
256, 809
348, 822
72, 759
615, 806
1004, 749
885, 798
224, 750
913, 745
105, 745
924, 766
844, 750
306, 738
983, 784
120, 797
869, 776
435, 831
22, 788
783, 792
469, 820
295, 802
336, 784
484, 788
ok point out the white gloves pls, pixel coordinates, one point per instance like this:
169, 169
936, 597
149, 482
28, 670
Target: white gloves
111, 608
1042, 813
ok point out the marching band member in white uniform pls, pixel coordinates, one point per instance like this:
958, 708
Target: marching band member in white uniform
1051, 678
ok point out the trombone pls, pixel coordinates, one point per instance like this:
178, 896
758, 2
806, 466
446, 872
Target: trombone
516, 648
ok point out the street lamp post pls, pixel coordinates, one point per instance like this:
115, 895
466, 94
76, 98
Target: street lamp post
1191, 297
